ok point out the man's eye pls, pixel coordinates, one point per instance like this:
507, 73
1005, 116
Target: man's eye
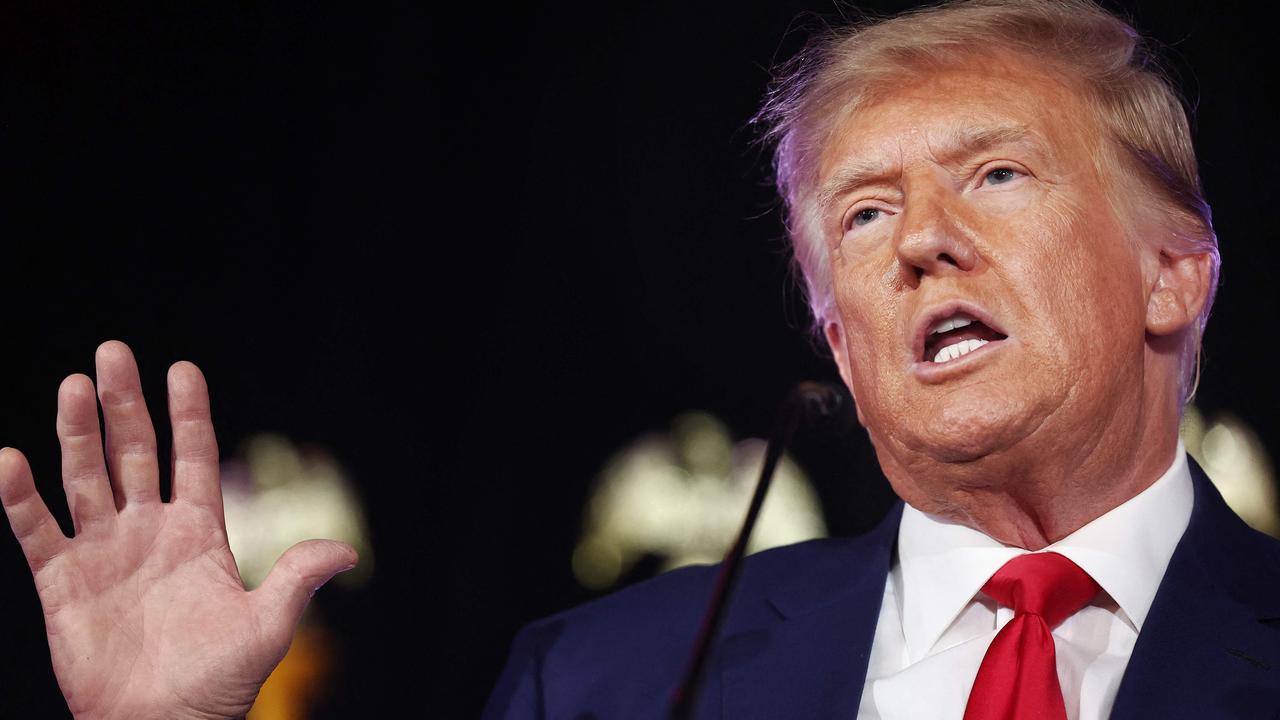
865, 216
999, 176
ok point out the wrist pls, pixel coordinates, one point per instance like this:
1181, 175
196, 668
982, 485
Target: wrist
153, 712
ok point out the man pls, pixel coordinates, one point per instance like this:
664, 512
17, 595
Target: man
998, 215
997, 211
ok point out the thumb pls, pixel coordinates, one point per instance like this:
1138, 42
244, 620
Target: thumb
296, 576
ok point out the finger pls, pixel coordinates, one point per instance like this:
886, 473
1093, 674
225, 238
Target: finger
195, 447
295, 578
37, 532
131, 440
84, 476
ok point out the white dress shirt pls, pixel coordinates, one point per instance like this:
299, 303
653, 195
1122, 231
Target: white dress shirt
935, 624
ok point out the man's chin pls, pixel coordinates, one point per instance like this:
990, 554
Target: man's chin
957, 436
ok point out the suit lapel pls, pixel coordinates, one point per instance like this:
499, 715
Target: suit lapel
802, 650
1210, 647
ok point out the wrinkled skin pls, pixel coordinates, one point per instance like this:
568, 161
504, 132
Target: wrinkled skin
1077, 411
145, 610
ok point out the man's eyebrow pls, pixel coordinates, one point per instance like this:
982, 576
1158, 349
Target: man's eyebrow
852, 176
970, 140
958, 143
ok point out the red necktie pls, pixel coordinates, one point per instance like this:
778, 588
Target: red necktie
1018, 678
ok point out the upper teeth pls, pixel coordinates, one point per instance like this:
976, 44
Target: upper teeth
950, 324
955, 350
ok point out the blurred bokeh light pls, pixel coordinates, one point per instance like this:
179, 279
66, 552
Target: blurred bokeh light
681, 496
277, 495
1237, 462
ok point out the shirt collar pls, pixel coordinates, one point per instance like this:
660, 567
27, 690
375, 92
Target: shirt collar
942, 565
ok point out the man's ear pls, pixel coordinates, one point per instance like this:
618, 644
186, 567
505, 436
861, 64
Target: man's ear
835, 341
1180, 291
840, 351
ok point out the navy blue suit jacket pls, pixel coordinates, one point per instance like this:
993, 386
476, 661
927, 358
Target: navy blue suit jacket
798, 635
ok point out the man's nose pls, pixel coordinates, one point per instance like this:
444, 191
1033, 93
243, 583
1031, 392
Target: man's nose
930, 239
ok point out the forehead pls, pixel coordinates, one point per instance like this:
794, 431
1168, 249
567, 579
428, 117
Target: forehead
975, 101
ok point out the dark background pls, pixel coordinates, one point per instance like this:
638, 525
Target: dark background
472, 252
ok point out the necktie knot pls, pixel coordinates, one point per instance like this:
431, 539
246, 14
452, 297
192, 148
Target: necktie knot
1018, 677
1044, 584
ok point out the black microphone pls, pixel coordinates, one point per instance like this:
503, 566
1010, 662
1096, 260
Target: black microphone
815, 401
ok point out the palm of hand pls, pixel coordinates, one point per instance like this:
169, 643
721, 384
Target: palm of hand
162, 604
145, 609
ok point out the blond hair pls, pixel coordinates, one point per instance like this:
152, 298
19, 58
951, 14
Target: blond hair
1134, 101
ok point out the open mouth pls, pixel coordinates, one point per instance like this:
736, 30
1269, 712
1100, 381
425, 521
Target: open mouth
955, 336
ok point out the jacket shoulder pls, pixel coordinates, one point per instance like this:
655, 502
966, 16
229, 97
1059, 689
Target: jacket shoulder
662, 614
629, 649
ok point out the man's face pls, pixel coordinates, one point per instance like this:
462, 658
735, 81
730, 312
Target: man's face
971, 198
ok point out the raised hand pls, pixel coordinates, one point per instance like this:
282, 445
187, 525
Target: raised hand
146, 613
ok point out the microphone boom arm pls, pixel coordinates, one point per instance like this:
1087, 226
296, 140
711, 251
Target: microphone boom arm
812, 396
